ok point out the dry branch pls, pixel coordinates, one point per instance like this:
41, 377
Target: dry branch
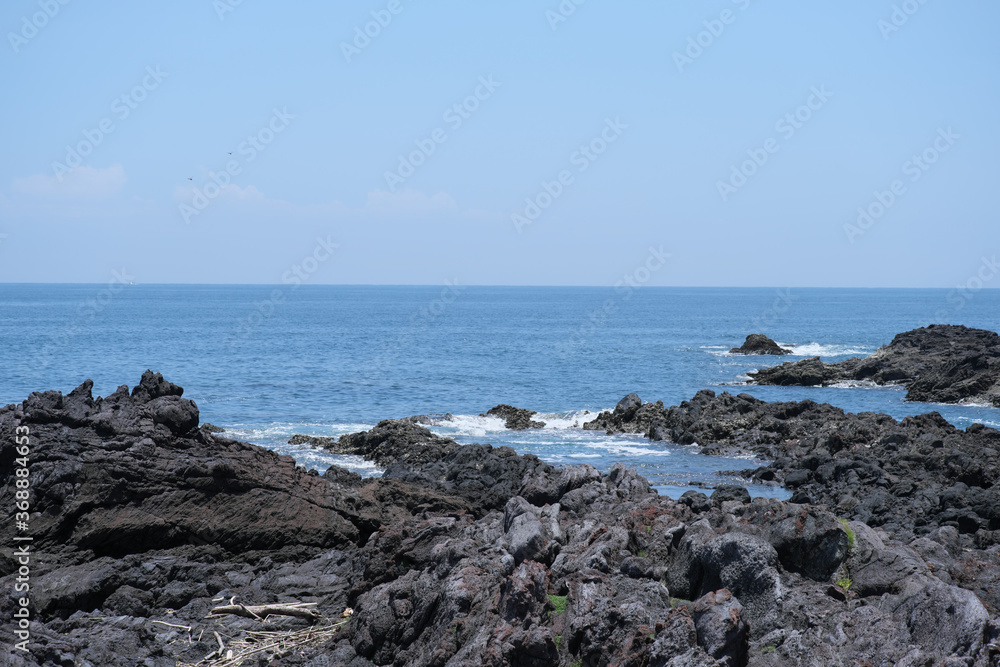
259, 612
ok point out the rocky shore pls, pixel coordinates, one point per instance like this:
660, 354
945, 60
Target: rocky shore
143, 522
939, 363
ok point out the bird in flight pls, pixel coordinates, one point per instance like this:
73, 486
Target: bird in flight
190, 179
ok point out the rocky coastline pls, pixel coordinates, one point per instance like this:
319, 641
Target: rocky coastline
938, 363
143, 522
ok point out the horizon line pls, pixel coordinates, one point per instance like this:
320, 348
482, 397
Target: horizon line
446, 285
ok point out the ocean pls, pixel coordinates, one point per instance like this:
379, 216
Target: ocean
266, 362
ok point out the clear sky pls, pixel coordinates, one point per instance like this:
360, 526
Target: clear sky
589, 140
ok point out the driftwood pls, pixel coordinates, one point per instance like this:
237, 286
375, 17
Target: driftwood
174, 625
256, 643
260, 612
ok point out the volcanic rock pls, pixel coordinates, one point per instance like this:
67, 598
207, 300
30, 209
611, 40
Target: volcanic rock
939, 363
475, 555
516, 419
759, 344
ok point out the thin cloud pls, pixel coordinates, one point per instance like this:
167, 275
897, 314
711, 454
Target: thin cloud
84, 182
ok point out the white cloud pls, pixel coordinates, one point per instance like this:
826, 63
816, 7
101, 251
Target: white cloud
409, 202
84, 182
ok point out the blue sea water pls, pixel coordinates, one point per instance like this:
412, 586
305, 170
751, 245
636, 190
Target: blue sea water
266, 362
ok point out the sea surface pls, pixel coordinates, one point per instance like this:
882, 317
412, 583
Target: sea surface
266, 362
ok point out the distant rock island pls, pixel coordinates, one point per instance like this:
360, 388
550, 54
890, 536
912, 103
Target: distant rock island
941, 363
759, 344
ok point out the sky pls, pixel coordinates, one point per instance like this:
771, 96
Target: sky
715, 143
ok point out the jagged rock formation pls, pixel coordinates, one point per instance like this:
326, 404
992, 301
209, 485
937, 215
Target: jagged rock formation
940, 363
472, 555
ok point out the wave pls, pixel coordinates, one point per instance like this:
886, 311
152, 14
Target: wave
825, 350
865, 384
566, 420
478, 426
285, 430
797, 350
275, 437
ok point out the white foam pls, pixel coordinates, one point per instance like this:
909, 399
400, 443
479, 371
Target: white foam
823, 350
285, 430
968, 403
566, 420
797, 350
625, 447
478, 426
865, 384
475, 426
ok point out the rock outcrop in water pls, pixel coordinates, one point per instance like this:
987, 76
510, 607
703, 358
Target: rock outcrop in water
516, 419
759, 344
939, 363
909, 476
472, 555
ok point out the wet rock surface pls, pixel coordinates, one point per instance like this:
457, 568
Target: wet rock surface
939, 363
759, 344
474, 555
516, 419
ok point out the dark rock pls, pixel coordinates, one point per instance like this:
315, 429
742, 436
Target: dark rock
628, 406
212, 428
517, 419
907, 474
475, 555
696, 500
322, 441
629, 416
394, 441
939, 363
724, 492
759, 344
722, 632
837, 593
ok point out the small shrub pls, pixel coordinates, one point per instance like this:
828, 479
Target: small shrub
559, 602
845, 583
850, 535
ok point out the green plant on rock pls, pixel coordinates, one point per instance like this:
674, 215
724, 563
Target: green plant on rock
642, 554
850, 534
558, 641
845, 583
559, 602
768, 649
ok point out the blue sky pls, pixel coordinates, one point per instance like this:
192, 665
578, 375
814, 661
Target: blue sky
739, 137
